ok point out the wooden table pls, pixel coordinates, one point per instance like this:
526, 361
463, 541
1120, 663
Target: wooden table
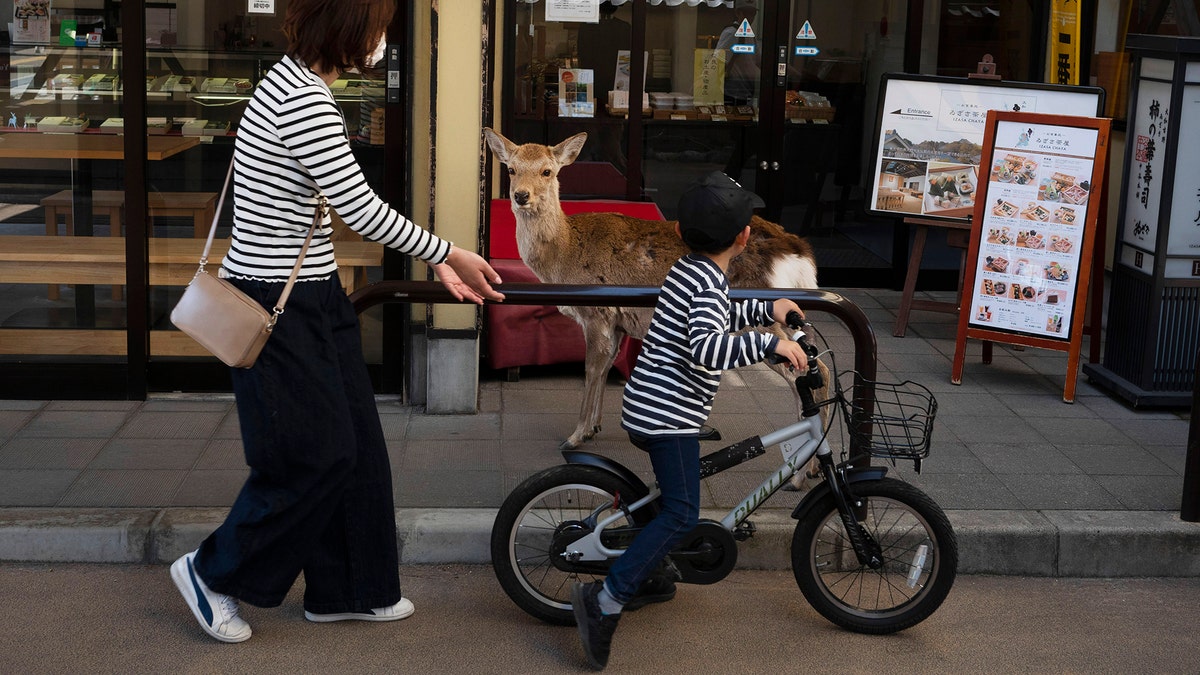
27, 145
37, 259
83, 149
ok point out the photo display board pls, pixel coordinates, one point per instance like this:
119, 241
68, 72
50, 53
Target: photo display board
1032, 242
928, 149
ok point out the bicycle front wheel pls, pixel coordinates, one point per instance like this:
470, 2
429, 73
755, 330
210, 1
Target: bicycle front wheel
919, 552
536, 524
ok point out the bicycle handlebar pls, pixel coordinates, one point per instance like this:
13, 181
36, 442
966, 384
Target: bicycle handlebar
812, 380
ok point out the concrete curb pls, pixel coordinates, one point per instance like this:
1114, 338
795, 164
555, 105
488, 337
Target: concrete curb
1029, 543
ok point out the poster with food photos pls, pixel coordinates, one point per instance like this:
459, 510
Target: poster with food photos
1039, 180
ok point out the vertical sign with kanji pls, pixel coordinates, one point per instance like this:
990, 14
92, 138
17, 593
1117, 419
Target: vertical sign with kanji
708, 77
1148, 134
1064, 42
1184, 236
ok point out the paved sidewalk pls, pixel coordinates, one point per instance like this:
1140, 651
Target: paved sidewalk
1033, 485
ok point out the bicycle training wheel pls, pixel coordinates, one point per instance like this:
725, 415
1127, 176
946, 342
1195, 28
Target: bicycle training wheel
543, 514
919, 551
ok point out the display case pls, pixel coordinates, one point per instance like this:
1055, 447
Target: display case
67, 89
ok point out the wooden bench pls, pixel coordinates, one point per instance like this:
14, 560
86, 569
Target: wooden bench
101, 260
199, 206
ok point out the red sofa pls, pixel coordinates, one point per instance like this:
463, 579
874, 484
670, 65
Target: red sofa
529, 335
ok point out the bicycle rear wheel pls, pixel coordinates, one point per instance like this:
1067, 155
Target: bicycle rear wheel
919, 551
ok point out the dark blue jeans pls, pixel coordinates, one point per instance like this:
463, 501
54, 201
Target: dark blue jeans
676, 461
319, 496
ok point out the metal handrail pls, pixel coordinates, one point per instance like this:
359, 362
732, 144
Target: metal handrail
850, 314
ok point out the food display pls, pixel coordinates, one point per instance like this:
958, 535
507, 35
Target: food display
1004, 209
1056, 272
1075, 195
1064, 214
996, 264
1035, 211
1001, 235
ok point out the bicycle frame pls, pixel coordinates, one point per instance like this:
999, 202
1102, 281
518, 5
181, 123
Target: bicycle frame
800, 441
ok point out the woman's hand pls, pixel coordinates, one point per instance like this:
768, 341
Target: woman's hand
468, 277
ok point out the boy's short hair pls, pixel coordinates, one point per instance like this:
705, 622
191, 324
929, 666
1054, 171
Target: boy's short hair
714, 211
337, 34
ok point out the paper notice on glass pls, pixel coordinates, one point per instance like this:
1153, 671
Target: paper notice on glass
708, 77
585, 11
31, 22
576, 93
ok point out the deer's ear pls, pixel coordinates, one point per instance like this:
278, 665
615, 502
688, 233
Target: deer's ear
501, 146
568, 150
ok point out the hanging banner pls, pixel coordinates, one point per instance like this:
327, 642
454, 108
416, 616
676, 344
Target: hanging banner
708, 77
1063, 58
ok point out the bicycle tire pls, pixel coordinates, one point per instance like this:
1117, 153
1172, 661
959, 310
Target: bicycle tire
901, 518
524, 529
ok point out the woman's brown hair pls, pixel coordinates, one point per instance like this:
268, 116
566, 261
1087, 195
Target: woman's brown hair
335, 34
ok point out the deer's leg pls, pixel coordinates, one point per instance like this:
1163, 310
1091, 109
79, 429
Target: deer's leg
600, 334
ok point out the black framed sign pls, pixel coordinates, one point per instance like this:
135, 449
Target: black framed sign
929, 139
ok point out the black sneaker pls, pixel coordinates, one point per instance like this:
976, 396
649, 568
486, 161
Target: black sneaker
657, 588
595, 628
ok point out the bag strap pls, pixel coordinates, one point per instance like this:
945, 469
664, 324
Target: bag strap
321, 211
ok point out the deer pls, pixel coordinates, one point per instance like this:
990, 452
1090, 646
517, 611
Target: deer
615, 249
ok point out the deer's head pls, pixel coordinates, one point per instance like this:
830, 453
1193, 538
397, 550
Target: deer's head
533, 169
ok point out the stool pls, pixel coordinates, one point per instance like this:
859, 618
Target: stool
200, 206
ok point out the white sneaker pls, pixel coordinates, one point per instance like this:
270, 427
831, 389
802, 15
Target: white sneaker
400, 610
217, 613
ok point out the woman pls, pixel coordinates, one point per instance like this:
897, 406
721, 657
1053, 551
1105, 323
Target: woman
319, 496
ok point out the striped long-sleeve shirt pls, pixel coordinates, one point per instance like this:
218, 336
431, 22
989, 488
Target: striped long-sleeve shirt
671, 389
291, 145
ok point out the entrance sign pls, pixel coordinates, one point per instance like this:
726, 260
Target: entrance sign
930, 138
1033, 234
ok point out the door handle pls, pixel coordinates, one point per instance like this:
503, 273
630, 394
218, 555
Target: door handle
762, 165
774, 166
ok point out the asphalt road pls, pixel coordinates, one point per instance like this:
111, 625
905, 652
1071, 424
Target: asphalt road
130, 619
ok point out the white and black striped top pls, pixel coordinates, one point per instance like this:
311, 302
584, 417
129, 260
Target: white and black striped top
291, 144
671, 389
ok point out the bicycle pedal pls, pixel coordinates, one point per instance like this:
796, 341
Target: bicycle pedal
744, 531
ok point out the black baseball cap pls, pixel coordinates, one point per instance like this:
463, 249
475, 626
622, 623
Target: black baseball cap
714, 210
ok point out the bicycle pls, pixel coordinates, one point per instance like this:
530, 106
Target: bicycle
870, 553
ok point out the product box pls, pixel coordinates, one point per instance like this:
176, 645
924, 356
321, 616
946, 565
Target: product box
113, 125
205, 128
158, 126
101, 82
184, 83
67, 81
62, 125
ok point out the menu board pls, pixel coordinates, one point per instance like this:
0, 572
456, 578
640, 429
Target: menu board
1032, 245
929, 144
1038, 185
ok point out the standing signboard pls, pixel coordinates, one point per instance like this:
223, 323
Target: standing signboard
1033, 233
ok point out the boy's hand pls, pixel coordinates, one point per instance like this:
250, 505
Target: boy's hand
794, 353
780, 309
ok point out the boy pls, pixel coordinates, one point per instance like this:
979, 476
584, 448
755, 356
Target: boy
670, 392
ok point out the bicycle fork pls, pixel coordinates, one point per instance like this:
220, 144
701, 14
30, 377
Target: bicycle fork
866, 549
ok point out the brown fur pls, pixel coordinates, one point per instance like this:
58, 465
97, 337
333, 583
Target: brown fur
614, 249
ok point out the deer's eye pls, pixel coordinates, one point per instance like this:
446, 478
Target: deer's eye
512, 172
546, 172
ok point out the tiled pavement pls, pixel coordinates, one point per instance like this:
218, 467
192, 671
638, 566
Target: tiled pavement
1004, 440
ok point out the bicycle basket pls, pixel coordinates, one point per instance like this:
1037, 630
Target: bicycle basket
900, 423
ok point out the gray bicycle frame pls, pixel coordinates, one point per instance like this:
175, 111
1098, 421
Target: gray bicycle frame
799, 441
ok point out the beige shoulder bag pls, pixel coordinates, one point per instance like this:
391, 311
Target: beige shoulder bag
224, 320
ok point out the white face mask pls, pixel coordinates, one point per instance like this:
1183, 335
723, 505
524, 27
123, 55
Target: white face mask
380, 50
